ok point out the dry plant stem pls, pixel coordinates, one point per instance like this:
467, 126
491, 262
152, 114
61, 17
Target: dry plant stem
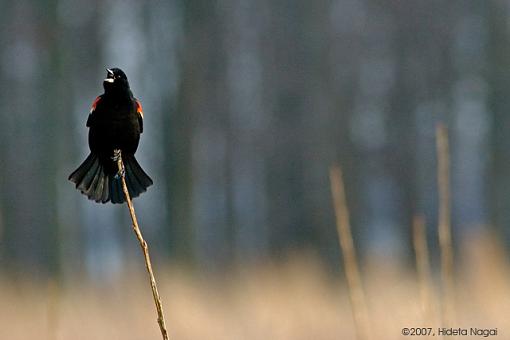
423, 267
145, 249
444, 226
352, 274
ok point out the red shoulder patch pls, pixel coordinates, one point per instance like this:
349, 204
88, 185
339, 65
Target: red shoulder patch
94, 104
139, 108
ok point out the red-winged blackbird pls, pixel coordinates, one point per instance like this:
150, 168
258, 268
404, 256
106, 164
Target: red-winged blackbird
115, 122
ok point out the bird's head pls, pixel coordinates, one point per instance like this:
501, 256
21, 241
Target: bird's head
115, 79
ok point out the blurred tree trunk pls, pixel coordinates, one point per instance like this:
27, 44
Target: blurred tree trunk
31, 161
50, 120
6, 235
346, 29
196, 141
498, 76
286, 66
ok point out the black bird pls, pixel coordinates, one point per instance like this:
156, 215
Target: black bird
115, 122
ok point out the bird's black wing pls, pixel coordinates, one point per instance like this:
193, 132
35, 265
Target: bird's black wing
92, 109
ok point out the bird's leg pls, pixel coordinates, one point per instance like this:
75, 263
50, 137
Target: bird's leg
117, 155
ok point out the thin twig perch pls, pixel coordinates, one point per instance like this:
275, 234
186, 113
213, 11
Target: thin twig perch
356, 294
144, 246
444, 225
423, 267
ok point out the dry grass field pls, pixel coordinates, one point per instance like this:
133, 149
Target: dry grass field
296, 299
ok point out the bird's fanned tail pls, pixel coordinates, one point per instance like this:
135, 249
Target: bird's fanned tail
90, 179
99, 183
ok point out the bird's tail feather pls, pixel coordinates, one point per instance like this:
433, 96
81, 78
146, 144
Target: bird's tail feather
137, 180
116, 192
91, 179
98, 184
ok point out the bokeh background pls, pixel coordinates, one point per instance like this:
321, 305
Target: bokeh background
247, 104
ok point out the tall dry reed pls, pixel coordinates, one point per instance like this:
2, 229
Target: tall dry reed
356, 293
444, 226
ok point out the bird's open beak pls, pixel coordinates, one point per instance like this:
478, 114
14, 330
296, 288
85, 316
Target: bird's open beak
109, 76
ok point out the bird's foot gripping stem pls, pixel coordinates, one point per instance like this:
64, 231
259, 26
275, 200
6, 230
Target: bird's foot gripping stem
117, 154
117, 157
